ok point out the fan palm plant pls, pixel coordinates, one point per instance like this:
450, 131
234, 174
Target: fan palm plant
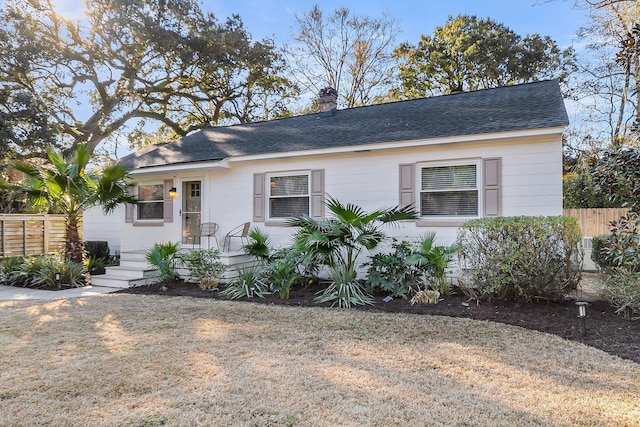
435, 259
338, 241
65, 186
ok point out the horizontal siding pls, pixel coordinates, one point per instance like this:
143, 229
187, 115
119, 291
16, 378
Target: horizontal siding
532, 185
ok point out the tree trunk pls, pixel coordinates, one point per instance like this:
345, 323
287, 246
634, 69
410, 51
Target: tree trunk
73, 247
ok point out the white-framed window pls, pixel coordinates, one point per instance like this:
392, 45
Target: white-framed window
289, 195
450, 189
150, 202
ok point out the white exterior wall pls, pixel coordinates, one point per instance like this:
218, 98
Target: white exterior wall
98, 226
531, 184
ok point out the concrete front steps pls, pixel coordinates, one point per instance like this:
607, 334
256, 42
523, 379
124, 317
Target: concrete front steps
132, 271
135, 271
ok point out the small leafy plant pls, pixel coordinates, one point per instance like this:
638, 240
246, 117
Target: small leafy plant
163, 256
259, 245
204, 266
282, 272
249, 283
434, 260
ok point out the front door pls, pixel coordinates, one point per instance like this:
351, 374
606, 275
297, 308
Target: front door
191, 212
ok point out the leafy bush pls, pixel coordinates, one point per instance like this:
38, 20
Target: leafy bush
410, 269
97, 249
249, 283
40, 272
96, 265
601, 259
391, 273
433, 260
281, 272
162, 256
520, 258
203, 265
618, 256
622, 290
621, 246
259, 245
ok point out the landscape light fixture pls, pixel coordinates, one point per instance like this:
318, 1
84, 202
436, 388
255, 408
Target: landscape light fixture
173, 192
582, 315
57, 277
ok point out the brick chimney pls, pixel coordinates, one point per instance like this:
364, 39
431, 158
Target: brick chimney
328, 101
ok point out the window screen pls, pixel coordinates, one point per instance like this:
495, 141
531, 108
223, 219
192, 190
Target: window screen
288, 196
151, 201
449, 191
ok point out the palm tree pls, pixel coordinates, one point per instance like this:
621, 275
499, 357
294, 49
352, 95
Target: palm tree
65, 186
337, 242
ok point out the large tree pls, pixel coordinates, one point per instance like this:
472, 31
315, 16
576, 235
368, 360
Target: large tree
349, 53
470, 53
608, 78
129, 60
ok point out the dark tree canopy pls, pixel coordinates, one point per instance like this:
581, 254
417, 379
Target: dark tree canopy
162, 61
616, 172
24, 126
470, 53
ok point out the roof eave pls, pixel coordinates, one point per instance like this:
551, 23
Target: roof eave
404, 144
181, 167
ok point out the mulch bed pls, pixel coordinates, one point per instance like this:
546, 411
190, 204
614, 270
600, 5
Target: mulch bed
604, 329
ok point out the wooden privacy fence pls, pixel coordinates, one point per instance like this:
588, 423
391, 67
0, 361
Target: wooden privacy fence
31, 234
594, 222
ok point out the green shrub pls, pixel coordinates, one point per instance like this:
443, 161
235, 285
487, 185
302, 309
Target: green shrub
618, 256
520, 258
97, 249
162, 256
622, 290
40, 272
433, 260
282, 271
410, 269
621, 248
11, 268
259, 245
203, 265
600, 258
338, 241
391, 273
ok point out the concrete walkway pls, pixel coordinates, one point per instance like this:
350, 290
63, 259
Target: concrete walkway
9, 293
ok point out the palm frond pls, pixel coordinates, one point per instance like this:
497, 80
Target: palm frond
399, 214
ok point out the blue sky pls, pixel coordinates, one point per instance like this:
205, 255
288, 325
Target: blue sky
276, 19
267, 18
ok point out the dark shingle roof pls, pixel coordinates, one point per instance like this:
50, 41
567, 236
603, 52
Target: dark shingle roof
510, 108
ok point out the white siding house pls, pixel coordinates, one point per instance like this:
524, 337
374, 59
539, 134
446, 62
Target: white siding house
456, 157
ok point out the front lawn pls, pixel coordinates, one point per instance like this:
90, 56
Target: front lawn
147, 360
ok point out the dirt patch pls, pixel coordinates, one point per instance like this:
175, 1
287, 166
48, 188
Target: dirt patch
604, 329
